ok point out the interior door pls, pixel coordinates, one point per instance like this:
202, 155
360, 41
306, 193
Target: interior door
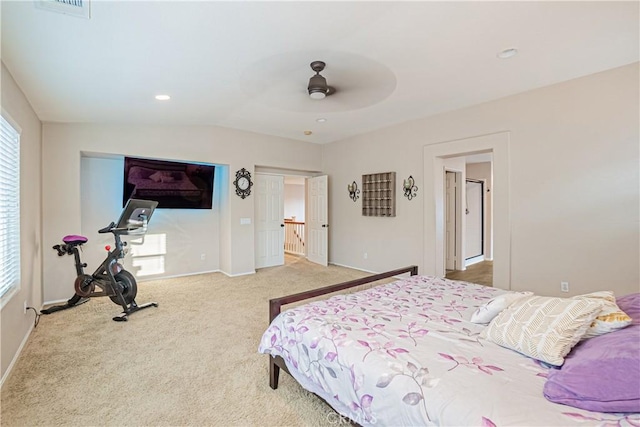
450, 220
474, 233
318, 220
269, 192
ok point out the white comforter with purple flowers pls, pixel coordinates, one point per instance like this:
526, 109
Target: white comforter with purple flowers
405, 353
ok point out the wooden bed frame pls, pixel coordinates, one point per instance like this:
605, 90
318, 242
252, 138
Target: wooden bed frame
275, 304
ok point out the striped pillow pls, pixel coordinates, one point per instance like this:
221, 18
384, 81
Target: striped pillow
487, 311
610, 318
544, 328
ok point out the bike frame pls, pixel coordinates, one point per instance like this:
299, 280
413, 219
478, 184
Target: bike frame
103, 276
122, 290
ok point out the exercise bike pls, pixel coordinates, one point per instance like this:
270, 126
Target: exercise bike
110, 278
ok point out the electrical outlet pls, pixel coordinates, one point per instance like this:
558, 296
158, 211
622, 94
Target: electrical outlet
365, 255
202, 257
564, 286
24, 308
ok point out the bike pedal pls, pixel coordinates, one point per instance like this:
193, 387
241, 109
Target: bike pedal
121, 318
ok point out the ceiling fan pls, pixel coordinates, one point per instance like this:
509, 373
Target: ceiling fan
318, 87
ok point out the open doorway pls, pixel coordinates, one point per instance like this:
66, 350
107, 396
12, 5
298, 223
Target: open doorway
290, 218
294, 218
468, 236
438, 159
309, 238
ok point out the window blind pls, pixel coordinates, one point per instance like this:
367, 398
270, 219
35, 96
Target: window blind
9, 207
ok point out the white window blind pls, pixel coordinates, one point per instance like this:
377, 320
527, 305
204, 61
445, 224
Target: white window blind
9, 207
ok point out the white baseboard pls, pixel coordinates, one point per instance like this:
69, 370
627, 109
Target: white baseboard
473, 260
16, 356
361, 269
144, 279
354, 268
148, 279
238, 274
57, 301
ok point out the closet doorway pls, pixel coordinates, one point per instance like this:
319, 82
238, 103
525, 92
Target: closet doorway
467, 218
436, 156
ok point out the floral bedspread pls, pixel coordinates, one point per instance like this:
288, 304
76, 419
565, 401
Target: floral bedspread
405, 353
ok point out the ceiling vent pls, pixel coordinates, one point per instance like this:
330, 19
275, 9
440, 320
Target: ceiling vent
78, 8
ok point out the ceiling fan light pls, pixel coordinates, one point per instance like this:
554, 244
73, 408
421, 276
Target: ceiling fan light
317, 87
317, 94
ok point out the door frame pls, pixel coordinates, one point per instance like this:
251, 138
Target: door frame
433, 156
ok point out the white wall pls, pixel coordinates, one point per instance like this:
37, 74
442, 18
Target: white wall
186, 234
294, 201
572, 166
15, 325
65, 144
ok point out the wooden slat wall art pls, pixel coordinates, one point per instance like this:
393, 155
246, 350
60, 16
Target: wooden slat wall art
379, 194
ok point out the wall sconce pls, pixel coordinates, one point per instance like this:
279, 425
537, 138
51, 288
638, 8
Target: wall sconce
354, 193
409, 188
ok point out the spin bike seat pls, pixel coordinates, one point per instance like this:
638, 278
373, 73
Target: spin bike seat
73, 240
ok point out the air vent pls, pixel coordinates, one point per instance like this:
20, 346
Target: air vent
78, 8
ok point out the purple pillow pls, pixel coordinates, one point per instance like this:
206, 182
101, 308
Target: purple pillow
602, 374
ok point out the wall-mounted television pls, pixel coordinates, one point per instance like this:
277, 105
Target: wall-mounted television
176, 185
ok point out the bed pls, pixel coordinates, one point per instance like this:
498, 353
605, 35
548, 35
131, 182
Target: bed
406, 353
151, 184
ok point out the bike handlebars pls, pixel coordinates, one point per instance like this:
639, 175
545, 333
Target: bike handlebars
107, 229
137, 227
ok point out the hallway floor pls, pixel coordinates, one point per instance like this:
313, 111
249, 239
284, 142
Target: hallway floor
481, 273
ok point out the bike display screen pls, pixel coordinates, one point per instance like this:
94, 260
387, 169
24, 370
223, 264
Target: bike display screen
135, 212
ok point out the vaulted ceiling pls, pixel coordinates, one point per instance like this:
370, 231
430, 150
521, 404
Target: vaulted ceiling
245, 65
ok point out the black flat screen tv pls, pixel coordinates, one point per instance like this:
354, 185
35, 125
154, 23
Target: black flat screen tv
174, 185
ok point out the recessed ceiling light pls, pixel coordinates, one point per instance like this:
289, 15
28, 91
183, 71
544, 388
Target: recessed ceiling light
307, 132
321, 120
163, 97
508, 53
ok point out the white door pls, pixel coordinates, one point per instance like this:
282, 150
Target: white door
317, 220
450, 220
269, 193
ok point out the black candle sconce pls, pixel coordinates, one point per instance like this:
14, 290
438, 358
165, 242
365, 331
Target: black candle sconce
354, 192
409, 188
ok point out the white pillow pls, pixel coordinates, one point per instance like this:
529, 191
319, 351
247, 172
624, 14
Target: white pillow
544, 328
490, 309
610, 318
156, 177
162, 176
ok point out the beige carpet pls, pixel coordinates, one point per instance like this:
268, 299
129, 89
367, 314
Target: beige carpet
191, 361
